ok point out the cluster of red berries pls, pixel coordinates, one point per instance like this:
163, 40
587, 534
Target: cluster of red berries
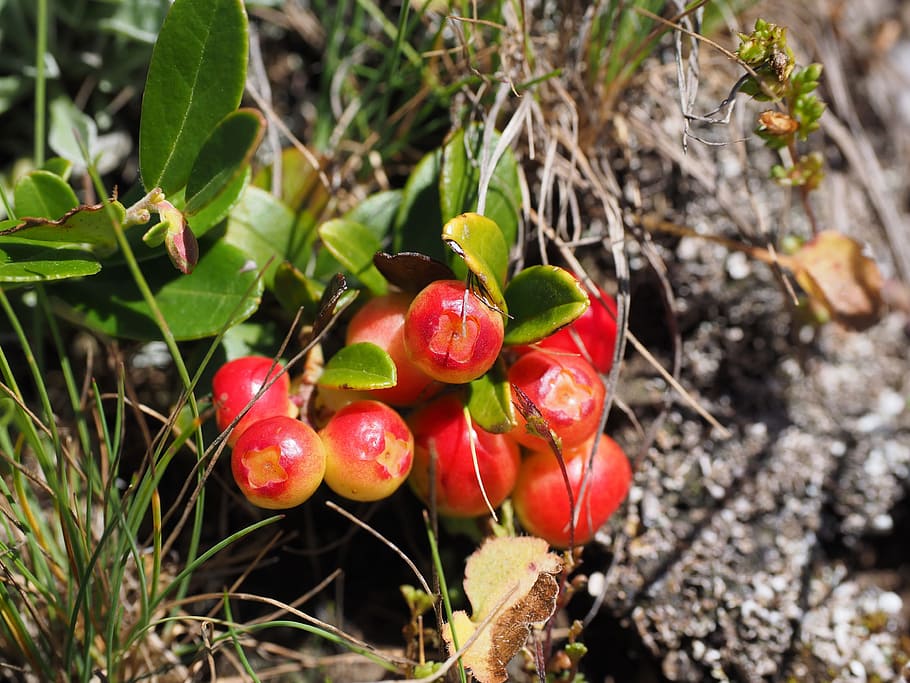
443, 337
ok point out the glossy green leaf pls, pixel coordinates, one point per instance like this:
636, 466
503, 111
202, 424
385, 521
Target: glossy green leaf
263, 228
89, 226
490, 400
196, 78
479, 242
22, 262
43, 194
541, 300
58, 166
360, 367
221, 291
218, 208
460, 179
417, 223
224, 156
377, 212
353, 245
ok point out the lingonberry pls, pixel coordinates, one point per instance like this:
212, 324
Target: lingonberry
441, 428
237, 382
593, 334
450, 334
278, 462
381, 321
542, 502
567, 391
369, 451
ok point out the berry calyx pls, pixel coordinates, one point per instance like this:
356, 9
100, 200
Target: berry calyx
237, 382
278, 462
441, 428
450, 334
542, 502
369, 451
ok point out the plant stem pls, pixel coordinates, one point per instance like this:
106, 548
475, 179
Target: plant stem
40, 82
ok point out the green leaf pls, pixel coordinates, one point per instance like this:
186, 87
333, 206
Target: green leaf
58, 166
460, 179
218, 208
43, 194
359, 367
73, 135
377, 212
224, 156
353, 245
263, 228
299, 179
416, 225
294, 291
196, 78
541, 300
220, 292
24, 261
89, 226
479, 241
490, 400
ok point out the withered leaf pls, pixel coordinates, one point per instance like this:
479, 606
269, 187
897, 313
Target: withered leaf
513, 582
835, 274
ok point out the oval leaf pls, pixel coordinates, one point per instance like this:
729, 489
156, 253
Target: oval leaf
479, 242
43, 194
262, 227
419, 211
224, 156
24, 261
377, 212
196, 77
88, 226
541, 300
220, 292
218, 208
360, 367
490, 400
353, 245
460, 179
411, 271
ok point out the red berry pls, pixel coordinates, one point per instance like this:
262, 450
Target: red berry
450, 334
542, 502
278, 462
565, 389
593, 334
381, 321
441, 428
369, 451
238, 381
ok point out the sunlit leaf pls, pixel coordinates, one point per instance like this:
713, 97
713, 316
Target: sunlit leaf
22, 262
224, 156
361, 366
460, 181
512, 579
478, 241
541, 300
353, 246
840, 279
88, 226
43, 194
196, 78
